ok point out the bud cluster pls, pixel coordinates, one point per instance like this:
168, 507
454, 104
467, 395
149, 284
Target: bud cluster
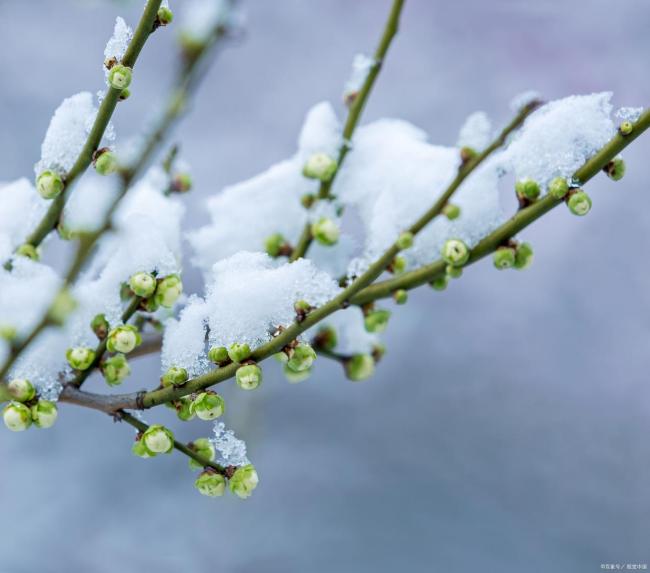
26, 408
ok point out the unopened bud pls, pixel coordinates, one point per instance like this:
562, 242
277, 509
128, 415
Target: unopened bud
100, 326
124, 94
239, 352
208, 406
140, 449
360, 367
626, 128
523, 256
249, 377
451, 211
142, 284
44, 414
326, 338
21, 390
244, 481
325, 231
274, 244
105, 162
49, 184
440, 283
80, 358
400, 296
174, 376
376, 321
211, 484
165, 16
320, 166
308, 200
158, 439
29, 251
558, 187
467, 153
455, 252
398, 265
295, 377
16, 416
181, 183
218, 354
116, 369
62, 307
405, 241
168, 291
8, 332
504, 258
204, 448
123, 338
579, 203
454, 272
302, 357
527, 188
183, 407
615, 169
119, 76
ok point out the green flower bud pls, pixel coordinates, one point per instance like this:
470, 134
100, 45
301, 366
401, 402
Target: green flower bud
320, 166
295, 377
183, 407
579, 203
626, 128
99, 325
378, 351
116, 369
405, 241
455, 252
123, 338
360, 367
376, 321
615, 169
451, 211
124, 94
239, 352
302, 306
440, 283
174, 376
119, 76
467, 153
168, 291
218, 354
44, 414
244, 481
398, 265
504, 258
308, 200
281, 357
523, 256
21, 390
140, 449
527, 188
204, 448
249, 377
325, 231
158, 439
302, 357
558, 187
400, 296
211, 483
142, 284
274, 245
49, 184
29, 251
454, 272
105, 162
80, 358
181, 183
17, 417
326, 338
165, 16
8, 332
208, 406
62, 307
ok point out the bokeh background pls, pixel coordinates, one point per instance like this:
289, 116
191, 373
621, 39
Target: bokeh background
506, 429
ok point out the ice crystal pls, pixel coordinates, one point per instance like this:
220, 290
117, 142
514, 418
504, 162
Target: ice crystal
119, 41
476, 131
361, 66
231, 451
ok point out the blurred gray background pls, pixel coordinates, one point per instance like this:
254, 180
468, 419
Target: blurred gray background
507, 428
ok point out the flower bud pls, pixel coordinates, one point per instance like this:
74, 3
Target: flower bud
21, 390
244, 481
142, 284
405, 241
116, 369
527, 188
376, 321
8, 332
308, 200
181, 183
239, 352
378, 352
140, 449
302, 306
325, 231
105, 162
100, 326
320, 166
204, 448
218, 354
62, 307
183, 407
124, 94
301, 358
123, 338
454, 272
168, 291
400, 296
274, 244
467, 153
208, 405
174, 376
455, 252
49, 184
80, 358
249, 377
295, 377
210, 483
523, 256
44, 414
359, 367
615, 169
451, 211
558, 187
326, 338
17, 417
440, 283
579, 203
165, 16
504, 258
29, 251
158, 439
119, 76
626, 128
398, 265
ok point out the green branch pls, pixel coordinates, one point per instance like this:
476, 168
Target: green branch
356, 109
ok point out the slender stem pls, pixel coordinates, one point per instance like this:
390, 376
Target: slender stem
50, 219
356, 109
189, 452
